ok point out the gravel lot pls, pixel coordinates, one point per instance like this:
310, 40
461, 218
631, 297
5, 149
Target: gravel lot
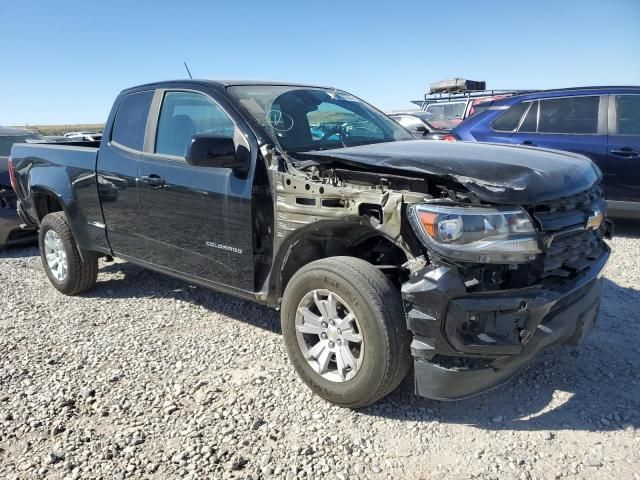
148, 376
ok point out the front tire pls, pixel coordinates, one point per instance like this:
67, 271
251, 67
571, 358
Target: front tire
344, 330
68, 271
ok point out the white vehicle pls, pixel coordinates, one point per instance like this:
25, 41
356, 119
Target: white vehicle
84, 136
455, 99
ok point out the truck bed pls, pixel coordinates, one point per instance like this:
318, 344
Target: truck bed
57, 150
69, 171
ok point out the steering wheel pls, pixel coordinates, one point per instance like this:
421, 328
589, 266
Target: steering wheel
337, 129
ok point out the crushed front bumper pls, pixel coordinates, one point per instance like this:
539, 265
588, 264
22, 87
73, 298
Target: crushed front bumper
465, 344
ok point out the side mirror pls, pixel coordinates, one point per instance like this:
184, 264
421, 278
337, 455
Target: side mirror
421, 129
207, 150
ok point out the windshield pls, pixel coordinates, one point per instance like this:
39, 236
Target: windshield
6, 141
302, 119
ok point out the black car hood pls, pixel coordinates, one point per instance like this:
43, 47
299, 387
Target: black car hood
495, 173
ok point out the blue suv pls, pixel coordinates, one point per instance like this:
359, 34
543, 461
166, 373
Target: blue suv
602, 123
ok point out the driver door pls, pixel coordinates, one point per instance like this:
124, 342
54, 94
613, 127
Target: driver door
196, 220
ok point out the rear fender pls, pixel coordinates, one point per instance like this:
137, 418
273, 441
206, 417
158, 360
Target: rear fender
68, 205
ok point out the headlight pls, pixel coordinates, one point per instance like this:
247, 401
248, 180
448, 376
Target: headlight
476, 234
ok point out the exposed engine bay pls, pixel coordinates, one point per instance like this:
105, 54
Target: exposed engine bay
310, 191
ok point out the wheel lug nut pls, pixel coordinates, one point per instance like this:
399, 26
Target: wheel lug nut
339, 332
323, 335
339, 342
331, 344
324, 324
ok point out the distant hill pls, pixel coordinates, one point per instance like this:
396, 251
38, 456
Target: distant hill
62, 129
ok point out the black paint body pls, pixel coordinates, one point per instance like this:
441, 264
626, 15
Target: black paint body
216, 226
198, 222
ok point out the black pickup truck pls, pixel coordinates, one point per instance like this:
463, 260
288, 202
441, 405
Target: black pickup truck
381, 251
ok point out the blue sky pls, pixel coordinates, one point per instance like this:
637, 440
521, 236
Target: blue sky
64, 62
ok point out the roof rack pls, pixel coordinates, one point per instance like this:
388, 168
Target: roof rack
452, 89
465, 95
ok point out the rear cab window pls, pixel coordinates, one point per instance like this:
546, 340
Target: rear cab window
131, 120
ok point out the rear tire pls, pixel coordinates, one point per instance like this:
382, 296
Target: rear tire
69, 272
379, 346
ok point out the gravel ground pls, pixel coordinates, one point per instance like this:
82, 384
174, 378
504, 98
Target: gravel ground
147, 376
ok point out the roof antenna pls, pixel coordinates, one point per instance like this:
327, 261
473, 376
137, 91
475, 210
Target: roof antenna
185, 66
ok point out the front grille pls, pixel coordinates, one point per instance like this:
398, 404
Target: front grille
577, 201
570, 254
571, 247
569, 211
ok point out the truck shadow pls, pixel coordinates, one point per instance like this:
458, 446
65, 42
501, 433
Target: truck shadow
20, 252
594, 387
133, 281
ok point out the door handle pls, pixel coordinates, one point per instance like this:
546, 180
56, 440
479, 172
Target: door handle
529, 143
153, 180
625, 152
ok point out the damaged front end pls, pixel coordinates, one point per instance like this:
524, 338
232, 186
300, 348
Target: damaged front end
485, 285
465, 343
475, 325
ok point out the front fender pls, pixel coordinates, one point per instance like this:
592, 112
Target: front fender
346, 230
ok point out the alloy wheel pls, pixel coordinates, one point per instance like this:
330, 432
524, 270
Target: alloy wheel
329, 335
56, 255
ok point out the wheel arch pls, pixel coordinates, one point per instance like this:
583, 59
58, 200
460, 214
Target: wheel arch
46, 201
332, 238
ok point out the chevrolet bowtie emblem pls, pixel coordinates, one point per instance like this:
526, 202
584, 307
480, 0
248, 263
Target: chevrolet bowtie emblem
595, 220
